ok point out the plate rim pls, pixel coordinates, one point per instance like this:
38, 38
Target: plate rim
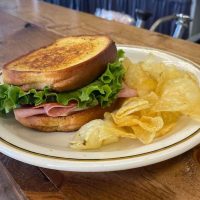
119, 158
105, 159
161, 50
113, 164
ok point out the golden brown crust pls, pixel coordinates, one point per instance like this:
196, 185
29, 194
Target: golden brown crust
62, 74
70, 123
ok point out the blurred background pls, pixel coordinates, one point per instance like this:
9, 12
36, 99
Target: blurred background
177, 18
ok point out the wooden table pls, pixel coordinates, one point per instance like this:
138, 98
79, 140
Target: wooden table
28, 24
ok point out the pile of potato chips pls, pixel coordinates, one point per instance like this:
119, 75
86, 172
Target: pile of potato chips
165, 93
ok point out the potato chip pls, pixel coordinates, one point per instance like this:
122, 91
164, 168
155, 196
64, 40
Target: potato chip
97, 133
181, 94
144, 136
144, 128
153, 67
138, 79
195, 113
132, 105
152, 98
129, 120
151, 124
127, 63
165, 93
170, 119
122, 132
130, 115
93, 135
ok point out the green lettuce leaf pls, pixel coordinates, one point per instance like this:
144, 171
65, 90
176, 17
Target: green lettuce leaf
103, 91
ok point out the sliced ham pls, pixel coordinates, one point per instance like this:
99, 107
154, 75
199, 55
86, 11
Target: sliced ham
27, 112
127, 92
58, 110
50, 109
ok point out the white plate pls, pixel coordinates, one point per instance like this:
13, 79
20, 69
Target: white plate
76, 165
47, 149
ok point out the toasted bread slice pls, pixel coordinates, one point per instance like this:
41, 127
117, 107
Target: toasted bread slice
67, 64
69, 123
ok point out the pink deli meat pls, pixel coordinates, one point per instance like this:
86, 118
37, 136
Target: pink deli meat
127, 92
50, 109
58, 110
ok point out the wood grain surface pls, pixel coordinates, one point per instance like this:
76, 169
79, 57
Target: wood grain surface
9, 189
26, 25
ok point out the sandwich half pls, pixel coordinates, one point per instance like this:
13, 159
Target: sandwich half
64, 85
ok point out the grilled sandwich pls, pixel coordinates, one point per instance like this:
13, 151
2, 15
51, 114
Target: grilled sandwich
60, 64
64, 85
